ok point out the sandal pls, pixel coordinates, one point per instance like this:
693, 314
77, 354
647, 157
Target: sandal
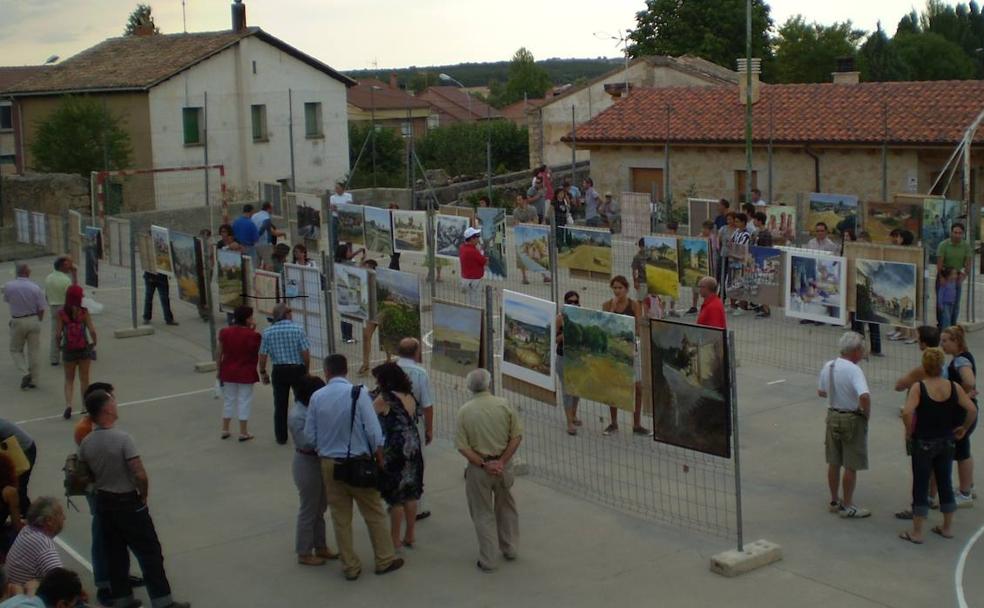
572, 432
245, 437
906, 514
939, 531
908, 537
578, 422
226, 434
610, 429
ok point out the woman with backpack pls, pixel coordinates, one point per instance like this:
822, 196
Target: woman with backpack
77, 336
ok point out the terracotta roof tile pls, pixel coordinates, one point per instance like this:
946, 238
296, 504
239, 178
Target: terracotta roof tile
914, 112
454, 102
383, 98
11, 75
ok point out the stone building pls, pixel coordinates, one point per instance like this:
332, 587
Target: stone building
9, 76
389, 106
868, 139
551, 120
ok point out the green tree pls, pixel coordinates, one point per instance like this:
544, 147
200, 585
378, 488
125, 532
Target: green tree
81, 136
459, 148
391, 154
418, 81
526, 78
140, 16
712, 29
879, 60
930, 56
809, 52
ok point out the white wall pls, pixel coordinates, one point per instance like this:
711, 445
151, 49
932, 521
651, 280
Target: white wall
232, 87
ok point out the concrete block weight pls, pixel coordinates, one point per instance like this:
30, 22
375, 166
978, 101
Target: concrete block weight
756, 555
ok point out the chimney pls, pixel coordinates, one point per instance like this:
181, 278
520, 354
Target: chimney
145, 28
743, 80
394, 83
238, 16
846, 74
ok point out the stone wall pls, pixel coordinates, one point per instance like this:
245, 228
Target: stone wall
382, 197
189, 221
52, 193
509, 182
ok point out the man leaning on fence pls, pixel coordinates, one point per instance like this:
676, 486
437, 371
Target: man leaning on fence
343, 426
489, 432
408, 353
286, 346
843, 384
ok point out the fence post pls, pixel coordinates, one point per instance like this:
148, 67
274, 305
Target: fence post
489, 334
431, 252
552, 245
328, 279
734, 433
133, 280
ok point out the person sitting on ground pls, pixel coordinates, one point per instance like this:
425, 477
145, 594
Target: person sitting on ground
930, 438
843, 383
60, 588
33, 553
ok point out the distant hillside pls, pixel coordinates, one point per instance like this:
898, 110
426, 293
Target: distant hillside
561, 71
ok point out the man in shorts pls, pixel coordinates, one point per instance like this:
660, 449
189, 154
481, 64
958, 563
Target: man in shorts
843, 384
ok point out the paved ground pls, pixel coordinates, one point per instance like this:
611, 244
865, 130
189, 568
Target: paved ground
225, 510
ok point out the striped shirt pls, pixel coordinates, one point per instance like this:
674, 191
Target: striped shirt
31, 556
283, 342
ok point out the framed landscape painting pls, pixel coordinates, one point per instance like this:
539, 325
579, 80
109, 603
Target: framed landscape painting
880, 219
532, 248
493, 225
694, 260
229, 276
586, 250
353, 291
599, 356
886, 292
266, 291
186, 261
457, 338
161, 240
308, 215
528, 343
838, 211
938, 216
780, 221
379, 230
410, 231
449, 234
691, 387
351, 224
398, 307
816, 287
662, 266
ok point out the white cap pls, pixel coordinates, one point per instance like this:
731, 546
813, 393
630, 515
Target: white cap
470, 232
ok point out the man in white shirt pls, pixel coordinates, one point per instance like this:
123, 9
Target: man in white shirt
822, 241
843, 384
757, 198
341, 197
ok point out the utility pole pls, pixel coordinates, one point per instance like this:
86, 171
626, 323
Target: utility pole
748, 100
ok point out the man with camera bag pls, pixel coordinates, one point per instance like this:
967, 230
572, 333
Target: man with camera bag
343, 425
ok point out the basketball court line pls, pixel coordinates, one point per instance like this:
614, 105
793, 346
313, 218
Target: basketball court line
961, 564
137, 402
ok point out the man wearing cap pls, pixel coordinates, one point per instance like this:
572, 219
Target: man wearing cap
473, 263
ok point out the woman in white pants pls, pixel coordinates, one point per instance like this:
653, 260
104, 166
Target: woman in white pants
237, 357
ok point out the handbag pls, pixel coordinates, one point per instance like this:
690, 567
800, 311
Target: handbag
11, 448
361, 471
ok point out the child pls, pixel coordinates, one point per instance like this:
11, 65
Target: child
946, 298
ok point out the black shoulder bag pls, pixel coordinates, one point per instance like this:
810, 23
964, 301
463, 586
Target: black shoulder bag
360, 471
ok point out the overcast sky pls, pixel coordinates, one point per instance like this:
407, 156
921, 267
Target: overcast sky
353, 34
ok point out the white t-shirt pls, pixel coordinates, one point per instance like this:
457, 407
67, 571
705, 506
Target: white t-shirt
826, 245
760, 203
259, 217
849, 384
344, 198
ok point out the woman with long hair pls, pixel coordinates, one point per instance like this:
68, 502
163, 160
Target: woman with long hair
622, 304
77, 336
402, 478
238, 355
300, 256
962, 369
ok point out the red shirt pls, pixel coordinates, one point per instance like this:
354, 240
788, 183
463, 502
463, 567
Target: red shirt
712, 313
472, 262
240, 355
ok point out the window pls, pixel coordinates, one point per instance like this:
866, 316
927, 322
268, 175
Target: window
258, 113
740, 185
406, 128
648, 181
6, 117
433, 120
194, 126
312, 120
8, 159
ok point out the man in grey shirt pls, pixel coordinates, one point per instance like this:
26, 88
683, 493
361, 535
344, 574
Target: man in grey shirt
537, 196
122, 486
591, 203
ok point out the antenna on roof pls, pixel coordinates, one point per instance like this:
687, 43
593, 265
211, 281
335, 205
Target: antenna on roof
184, 17
51, 59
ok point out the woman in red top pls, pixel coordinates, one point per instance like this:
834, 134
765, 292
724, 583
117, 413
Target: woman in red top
76, 335
238, 355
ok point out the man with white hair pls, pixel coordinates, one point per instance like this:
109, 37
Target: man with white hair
489, 432
27, 306
843, 384
33, 553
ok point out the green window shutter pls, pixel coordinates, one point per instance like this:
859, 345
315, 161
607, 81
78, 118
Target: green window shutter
192, 131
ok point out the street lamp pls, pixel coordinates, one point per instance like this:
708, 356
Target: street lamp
447, 78
372, 122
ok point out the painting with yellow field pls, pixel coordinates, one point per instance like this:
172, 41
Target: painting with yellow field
585, 249
457, 338
880, 219
529, 329
186, 261
662, 266
599, 356
838, 211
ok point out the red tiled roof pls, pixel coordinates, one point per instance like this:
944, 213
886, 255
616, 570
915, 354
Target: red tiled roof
915, 112
518, 110
141, 62
383, 97
11, 75
454, 102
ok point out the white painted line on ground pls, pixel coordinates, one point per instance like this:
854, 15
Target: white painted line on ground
775, 382
137, 402
74, 554
961, 563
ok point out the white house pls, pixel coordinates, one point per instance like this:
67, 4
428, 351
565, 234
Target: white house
241, 98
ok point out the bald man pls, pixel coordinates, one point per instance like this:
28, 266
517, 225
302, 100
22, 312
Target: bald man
712, 310
408, 358
27, 306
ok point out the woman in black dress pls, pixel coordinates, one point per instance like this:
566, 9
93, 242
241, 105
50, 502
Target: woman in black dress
402, 479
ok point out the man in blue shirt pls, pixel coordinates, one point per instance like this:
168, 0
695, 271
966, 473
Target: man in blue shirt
246, 232
339, 433
286, 345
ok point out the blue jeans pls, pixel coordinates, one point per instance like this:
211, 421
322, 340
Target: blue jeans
956, 304
944, 315
932, 456
100, 571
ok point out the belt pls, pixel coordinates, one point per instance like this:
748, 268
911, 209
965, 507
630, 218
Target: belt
490, 458
33, 314
288, 365
306, 452
854, 412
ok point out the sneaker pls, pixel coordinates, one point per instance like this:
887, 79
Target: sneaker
964, 501
854, 512
894, 336
762, 315
911, 341
835, 506
691, 311
611, 429
395, 565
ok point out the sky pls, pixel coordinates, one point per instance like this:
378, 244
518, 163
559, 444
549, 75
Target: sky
358, 34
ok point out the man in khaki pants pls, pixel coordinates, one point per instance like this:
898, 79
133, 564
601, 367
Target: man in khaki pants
344, 426
27, 306
489, 432
55, 286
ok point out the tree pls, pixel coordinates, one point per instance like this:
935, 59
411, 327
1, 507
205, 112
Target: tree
930, 56
139, 17
459, 148
809, 53
526, 79
879, 60
81, 136
390, 156
712, 29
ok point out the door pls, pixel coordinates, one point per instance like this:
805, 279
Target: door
648, 181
